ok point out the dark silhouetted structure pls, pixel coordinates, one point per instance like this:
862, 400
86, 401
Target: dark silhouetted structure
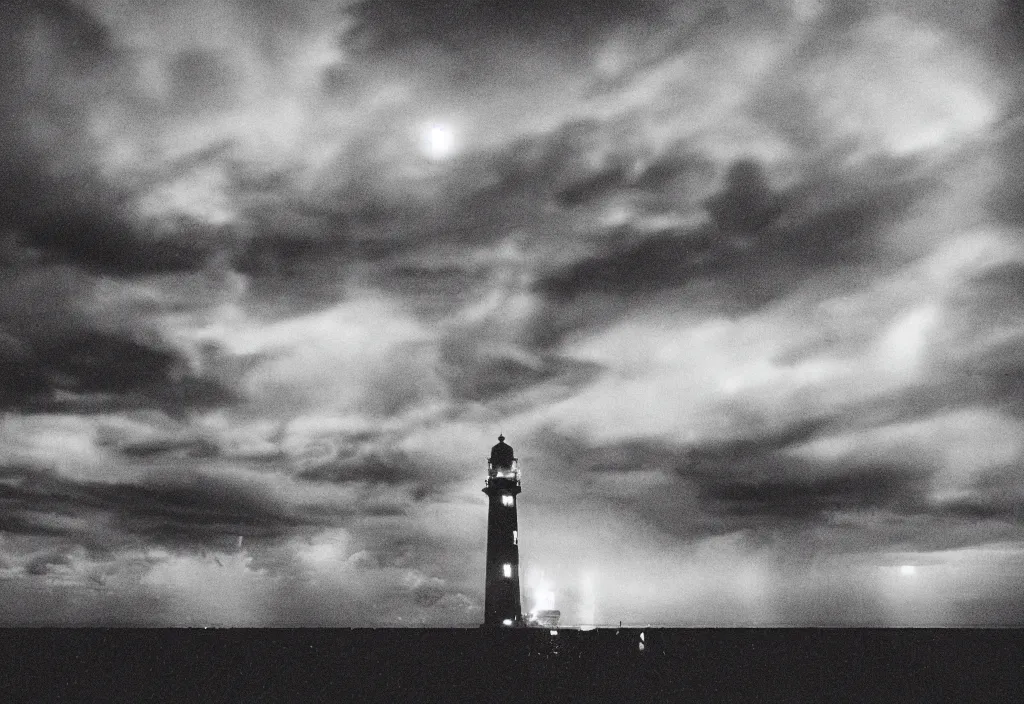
502, 601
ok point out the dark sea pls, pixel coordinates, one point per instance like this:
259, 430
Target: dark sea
513, 665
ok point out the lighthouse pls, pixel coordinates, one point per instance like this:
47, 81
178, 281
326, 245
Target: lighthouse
502, 602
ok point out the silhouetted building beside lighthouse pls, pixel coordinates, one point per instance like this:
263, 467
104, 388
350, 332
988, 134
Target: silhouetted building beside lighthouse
502, 601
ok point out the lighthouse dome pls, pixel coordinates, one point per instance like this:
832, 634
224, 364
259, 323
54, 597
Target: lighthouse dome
502, 454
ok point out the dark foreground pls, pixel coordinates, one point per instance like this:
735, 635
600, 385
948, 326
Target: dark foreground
440, 665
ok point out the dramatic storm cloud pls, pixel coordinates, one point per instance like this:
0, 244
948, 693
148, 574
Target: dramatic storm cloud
741, 280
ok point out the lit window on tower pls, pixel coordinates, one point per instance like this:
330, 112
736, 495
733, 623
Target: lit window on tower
507, 569
507, 500
515, 537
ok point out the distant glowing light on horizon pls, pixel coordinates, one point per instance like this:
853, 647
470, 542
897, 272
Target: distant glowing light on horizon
321, 554
326, 552
908, 570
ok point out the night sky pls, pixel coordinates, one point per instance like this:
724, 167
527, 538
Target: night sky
742, 282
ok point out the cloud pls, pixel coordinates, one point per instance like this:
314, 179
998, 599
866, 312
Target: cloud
756, 234
802, 497
757, 483
739, 280
353, 469
175, 509
90, 369
56, 199
462, 26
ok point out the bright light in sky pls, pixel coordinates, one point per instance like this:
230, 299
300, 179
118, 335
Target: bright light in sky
908, 570
439, 141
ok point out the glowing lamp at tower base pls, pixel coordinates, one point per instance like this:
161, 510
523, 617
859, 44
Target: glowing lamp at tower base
547, 618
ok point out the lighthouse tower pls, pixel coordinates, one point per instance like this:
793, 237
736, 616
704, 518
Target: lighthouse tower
502, 603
